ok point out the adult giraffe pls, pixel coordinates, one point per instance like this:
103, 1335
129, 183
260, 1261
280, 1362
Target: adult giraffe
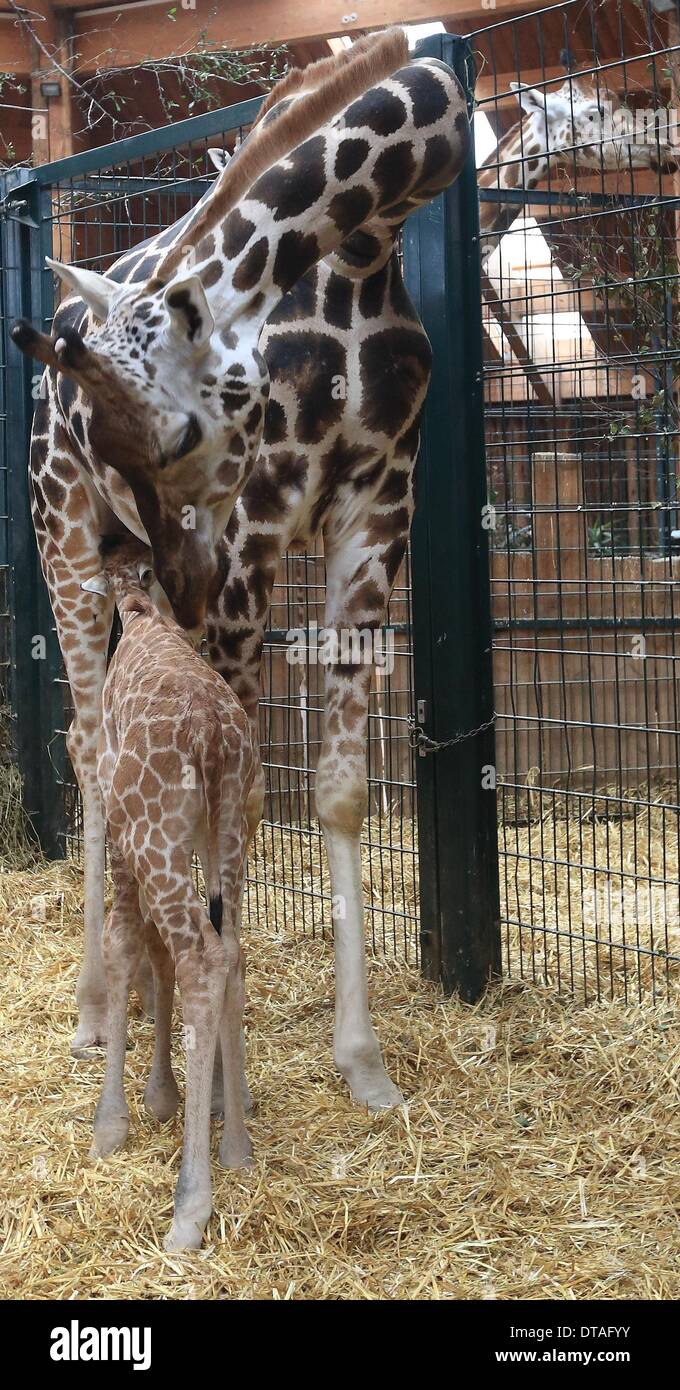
292, 263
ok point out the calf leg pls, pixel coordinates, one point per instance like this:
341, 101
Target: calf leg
201, 968
122, 947
161, 1096
236, 1149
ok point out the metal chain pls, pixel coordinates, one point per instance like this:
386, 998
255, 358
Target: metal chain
420, 741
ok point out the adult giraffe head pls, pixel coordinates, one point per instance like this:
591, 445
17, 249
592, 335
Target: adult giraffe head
579, 124
173, 384
584, 119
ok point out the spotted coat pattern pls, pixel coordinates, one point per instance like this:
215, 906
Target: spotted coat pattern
175, 763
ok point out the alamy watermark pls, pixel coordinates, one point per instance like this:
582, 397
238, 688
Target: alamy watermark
344, 646
645, 126
618, 906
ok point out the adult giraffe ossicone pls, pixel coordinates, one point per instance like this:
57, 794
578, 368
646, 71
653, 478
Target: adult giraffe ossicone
291, 255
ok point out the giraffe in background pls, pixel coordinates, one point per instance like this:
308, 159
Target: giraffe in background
570, 121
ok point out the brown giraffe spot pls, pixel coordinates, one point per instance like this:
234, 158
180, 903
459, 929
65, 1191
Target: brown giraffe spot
337, 304
350, 208
436, 161
234, 397
395, 369
54, 491
360, 249
394, 487
295, 253
237, 233
206, 247
392, 558
211, 274
253, 305
299, 303
275, 423
400, 299
236, 599
312, 363
428, 95
231, 643
338, 465
394, 171
383, 526
229, 472
379, 109
372, 294
291, 191
252, 420
350, 157
249, 272
368, 598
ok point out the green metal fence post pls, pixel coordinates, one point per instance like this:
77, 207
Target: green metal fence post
458, 848
34, 650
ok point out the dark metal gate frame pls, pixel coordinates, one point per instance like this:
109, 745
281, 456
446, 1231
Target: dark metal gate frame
456, 803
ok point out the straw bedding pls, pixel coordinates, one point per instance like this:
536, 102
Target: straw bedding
538, 1157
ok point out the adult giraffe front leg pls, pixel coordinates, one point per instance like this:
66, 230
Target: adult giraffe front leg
83, 626
358, 588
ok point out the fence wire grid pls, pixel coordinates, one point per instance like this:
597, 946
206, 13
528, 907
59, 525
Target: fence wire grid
580, 310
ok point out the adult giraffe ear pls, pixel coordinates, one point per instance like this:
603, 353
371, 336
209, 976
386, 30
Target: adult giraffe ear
530, 99
190, 314
98, 584
96, 290
219, 158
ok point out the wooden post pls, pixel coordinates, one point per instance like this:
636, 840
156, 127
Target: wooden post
52, 123
559, 550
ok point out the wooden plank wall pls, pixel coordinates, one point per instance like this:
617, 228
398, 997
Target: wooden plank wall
583, 706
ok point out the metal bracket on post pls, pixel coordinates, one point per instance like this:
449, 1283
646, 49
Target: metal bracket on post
458, 849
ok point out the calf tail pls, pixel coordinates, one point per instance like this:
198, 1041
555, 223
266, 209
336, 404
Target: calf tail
210, 759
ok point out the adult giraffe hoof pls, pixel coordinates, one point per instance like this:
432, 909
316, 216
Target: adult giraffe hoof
183, 1235
368, 1081
161, 1098
381, 1094
90, 1035
110, 1134
237, 1152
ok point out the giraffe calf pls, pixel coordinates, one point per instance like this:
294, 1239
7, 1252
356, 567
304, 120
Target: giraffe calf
175, 763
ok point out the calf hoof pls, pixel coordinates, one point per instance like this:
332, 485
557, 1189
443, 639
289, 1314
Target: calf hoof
90, 1035
236, 1151
110, 1134
161, 1099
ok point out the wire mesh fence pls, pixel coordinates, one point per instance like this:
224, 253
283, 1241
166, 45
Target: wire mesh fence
579, 204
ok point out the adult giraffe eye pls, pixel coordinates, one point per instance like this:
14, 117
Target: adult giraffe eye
190, 439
